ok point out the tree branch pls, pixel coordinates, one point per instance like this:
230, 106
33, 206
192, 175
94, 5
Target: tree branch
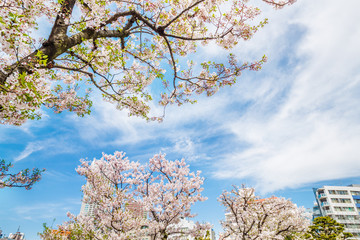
58, 32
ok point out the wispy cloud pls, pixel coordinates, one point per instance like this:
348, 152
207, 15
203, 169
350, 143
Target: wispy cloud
110, 126
55, 145
313, 133
186, 148
30, 148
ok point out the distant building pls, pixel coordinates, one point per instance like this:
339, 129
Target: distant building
308, 214
137, 209
316, 211
212, 234
341, 203
16, 236
186, 226
86, 209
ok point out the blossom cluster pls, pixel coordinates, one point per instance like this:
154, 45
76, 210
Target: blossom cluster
131, 200
123, 191
250, 217
119, 48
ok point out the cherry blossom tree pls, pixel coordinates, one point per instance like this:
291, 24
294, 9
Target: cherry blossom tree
132, 200
248, 217
25, 178
118, 47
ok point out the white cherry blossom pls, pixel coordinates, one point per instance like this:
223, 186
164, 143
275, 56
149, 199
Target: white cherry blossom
119, 48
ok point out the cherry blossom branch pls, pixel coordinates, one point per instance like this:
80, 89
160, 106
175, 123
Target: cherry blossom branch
181, 13
60, 27
279, 4
23, 179
256, 218
120, 35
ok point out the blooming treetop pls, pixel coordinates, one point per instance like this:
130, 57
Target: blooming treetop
122, 191
249, 217
118, 47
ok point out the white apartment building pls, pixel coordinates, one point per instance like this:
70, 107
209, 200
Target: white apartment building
87, 209
341, 203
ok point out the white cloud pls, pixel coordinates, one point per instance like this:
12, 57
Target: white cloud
313, 133
55, 145
184, 145
108, 121
187, 149
30, 148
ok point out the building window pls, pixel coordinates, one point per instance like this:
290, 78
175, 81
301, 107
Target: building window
338, 192
344, 209
355, 193
341, 200
347, 217
352, 226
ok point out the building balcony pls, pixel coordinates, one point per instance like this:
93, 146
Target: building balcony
348, 221
324, 204
328, 212
343, 204
322, 195
356, 196
352, 230
345, 213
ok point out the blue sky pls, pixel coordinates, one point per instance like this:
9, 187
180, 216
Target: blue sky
290, 127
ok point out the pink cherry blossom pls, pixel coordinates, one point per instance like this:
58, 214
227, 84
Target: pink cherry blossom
24, 178
118, 48
249, 217
133, 200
